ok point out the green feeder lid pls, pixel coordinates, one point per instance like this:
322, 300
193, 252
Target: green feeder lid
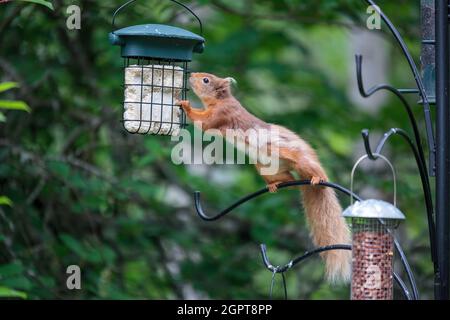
157, 41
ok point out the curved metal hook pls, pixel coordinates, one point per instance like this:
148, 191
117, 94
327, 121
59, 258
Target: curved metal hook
376, 88
398, 94
204, 216
310, 253
374, 155
307, 254
384, 139
272, 282
365, 135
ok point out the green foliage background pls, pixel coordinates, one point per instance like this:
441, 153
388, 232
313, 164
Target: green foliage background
84, 192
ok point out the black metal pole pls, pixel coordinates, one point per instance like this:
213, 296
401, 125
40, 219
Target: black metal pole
442, 149
428, 52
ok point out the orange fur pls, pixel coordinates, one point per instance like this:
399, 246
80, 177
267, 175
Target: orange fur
323, 211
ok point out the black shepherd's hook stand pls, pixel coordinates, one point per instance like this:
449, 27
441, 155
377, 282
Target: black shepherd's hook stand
436, 22
439, 163
204, 216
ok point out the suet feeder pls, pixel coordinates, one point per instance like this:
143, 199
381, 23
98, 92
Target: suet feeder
156, 61
373, 223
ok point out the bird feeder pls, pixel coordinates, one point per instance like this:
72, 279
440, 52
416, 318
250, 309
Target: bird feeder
373, 223
156, 61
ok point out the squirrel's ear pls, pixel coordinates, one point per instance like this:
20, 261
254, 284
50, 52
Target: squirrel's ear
231, 80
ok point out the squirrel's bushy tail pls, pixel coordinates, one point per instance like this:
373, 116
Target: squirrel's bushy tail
328, 227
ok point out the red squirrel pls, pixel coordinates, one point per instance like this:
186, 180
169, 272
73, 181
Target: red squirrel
222, 111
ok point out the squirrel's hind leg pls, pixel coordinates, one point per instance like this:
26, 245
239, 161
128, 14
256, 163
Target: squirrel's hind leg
306, 165
273, 180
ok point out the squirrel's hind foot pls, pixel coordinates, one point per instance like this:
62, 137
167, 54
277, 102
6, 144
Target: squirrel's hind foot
317, 180
273, 187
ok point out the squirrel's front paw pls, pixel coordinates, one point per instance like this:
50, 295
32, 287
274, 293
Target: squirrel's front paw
185, 104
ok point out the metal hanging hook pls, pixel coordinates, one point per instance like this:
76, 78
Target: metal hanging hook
382, 142
174, 1
369, 92
308, 254
376, 155
201, 213
365, 135
272, 284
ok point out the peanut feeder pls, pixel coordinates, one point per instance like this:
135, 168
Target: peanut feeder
156, 61
373, 223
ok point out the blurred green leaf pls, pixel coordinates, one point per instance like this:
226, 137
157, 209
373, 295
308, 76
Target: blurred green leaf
5, 201
73, 244
11, 269
45, 3
8, 85
19, 282
14, 105
11, 293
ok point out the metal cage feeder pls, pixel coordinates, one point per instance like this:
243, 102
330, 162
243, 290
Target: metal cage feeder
156, 59
373, 223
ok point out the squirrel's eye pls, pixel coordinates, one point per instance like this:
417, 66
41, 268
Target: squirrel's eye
205, 80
